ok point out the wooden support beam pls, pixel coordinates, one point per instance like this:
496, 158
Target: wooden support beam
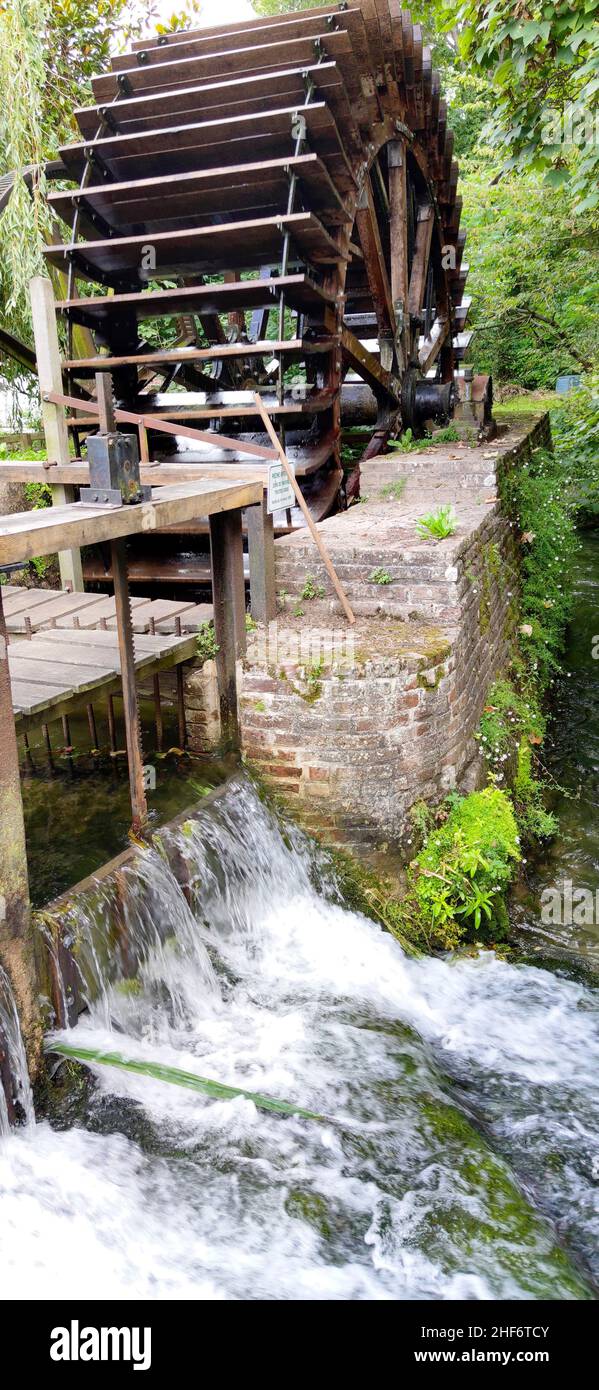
17, 942
228, 599
374, 261
368, 367
398, 228
139, 807
47, 350
261, 547
424, 233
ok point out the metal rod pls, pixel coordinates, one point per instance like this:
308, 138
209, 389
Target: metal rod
139, 807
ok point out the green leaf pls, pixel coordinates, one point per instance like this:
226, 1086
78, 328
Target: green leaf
158, 1071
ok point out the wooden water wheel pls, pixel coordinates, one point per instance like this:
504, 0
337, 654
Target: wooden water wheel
270, 204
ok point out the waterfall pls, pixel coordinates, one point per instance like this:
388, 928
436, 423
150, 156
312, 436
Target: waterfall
458, 1157
16, 1100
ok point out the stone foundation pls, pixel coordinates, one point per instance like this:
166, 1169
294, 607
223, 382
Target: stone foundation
352, 726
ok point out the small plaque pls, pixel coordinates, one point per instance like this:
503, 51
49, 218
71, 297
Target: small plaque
280, 493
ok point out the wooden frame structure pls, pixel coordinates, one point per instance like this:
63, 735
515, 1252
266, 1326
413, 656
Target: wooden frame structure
293, 178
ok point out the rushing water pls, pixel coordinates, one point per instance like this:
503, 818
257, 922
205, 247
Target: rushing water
460, 1157
430, 1070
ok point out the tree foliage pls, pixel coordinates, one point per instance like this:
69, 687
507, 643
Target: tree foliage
542, 60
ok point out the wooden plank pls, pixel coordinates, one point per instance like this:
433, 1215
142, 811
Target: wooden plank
228, 597
290, 346
179, 148
57, 665
63, 653
158, 609
308, 23
216, 100
103, 608
63, 604
191, 619
201, 249
374, 260
97, 640
398, 229
26, 534
21, 600
212, 65
205, 193
261, 549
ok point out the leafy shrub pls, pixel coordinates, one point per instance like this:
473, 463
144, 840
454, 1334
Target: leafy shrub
439, 524
206, 643
459, 878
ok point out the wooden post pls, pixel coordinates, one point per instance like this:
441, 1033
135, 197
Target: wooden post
228, 599
17, 942
398, 228
139, 807
55, 427
261, 547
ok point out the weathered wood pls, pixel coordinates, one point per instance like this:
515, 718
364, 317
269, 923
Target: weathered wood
261, 547
424, 232
17, 950
25, 534
368, 367
398, 231
139, 806
47, 350
228, 599
374, 260
207, 249
290, 346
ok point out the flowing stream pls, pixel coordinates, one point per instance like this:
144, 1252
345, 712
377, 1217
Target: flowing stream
458, 1156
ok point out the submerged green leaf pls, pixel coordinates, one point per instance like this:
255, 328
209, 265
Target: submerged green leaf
158, 1071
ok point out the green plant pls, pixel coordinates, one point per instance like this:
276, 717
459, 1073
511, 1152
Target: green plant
380, 576
458, 880
40, 565
312, 590
394, 490
250, 625
206, 643
298, 611
439, 524
159, 1071
38, 495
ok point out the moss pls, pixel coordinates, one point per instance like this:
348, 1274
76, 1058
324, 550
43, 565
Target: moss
311, 1208
129, 988
425, 684
259, 706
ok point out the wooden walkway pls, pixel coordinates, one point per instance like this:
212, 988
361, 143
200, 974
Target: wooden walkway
36, 610
63, 648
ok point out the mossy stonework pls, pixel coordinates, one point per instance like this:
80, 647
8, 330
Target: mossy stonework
391, 715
